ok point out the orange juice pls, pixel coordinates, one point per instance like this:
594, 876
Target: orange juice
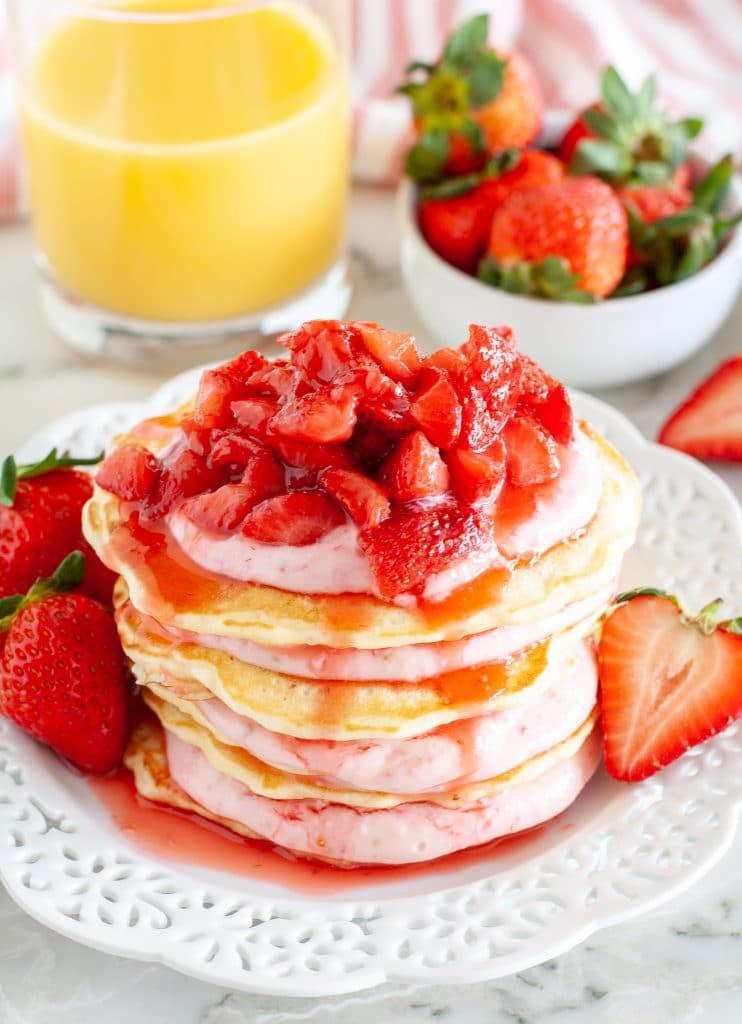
191, 169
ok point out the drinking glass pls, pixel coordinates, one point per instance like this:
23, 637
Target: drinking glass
187, 164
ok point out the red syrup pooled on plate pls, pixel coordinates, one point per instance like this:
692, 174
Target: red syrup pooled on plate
183, 838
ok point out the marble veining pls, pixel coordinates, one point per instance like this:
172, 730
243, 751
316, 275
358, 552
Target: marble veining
682, 963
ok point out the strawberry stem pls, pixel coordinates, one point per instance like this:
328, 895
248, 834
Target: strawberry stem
706, 618
11, 472
69, 575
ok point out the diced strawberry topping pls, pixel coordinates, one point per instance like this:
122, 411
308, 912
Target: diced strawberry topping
298, 518
232, 449
312, 457
245, 366
531, 453
477, 476
488, 386
185, 475
325, 416
448, 359
322, 349
415, 543
414, 469
274, 378
365, 501
254, 414
436, 409
216, 393
547, 401
264, 475
396, 353
222, 509
130, 472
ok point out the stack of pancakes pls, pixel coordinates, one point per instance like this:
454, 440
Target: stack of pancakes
359, 731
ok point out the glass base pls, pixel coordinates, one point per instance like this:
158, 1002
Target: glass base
155, 345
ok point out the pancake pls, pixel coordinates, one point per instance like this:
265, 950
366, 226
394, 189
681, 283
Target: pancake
407, 833
174, 591
263, 780
468, 750
338, 710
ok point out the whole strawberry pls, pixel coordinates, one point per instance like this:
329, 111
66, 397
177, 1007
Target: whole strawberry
567, 240
626, 137
471, 102
40, 523
62, 673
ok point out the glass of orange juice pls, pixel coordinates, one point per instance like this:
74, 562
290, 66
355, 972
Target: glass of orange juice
187, 163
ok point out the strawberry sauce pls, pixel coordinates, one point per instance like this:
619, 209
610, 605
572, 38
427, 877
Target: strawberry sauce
178, 837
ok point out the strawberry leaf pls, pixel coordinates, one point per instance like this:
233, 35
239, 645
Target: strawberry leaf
465, 41
427, 158
629, 595
602, 157
601, 124
646, 96
8, 479
709, 194
617, 99
486, 75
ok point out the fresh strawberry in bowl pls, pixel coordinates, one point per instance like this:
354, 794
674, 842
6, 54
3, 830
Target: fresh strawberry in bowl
608, 240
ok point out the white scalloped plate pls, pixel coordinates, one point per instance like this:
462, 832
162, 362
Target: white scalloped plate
619, 851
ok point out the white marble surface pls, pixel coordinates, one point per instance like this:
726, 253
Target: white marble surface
681, 964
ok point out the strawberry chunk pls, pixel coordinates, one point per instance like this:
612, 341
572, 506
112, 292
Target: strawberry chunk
254, 414
245, 366
221, 510
531, 453
414, 469
448, 359
415, 543
274, 378
547, 401
365, 501
232, 449
396, 353
185, 475
312, 457
489, 386
130, 472
667, 682
264, 475
436, 409
322, 349
325, 416
298, 519
477, 476
216, 393
370, 445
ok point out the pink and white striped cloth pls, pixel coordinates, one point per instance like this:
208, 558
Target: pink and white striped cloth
694, 46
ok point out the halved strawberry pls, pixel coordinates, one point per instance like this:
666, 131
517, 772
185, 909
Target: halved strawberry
221, 510
477, 476
396, 353
325, 416
414, 469
667, 682
415, 543
709, 423
436, 409
365, 501
531, 453
298, 518
254, 414
130, 472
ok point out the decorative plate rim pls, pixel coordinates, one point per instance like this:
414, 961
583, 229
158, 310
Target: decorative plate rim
635, 847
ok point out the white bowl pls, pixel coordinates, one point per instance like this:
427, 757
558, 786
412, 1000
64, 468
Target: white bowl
601, 345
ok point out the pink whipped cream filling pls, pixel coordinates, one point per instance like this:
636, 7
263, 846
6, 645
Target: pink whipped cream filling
464, 751
336, 563
405, 834
406, 664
